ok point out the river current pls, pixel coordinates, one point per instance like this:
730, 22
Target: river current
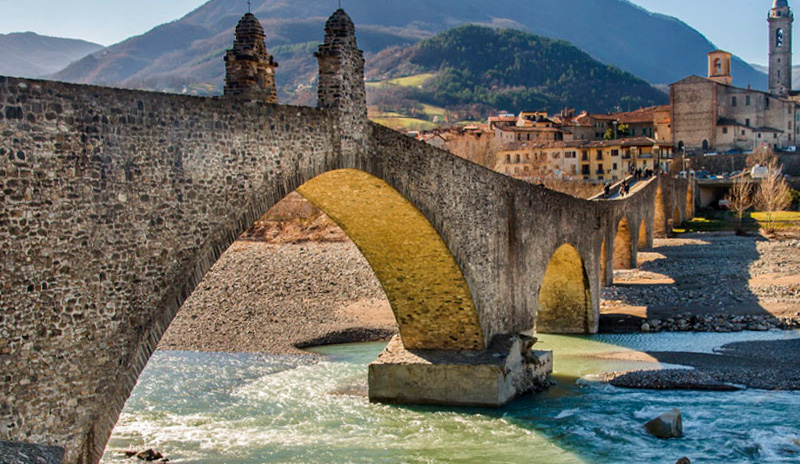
204, 408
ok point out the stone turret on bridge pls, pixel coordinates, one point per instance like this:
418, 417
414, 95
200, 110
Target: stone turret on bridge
341, 85
249, 68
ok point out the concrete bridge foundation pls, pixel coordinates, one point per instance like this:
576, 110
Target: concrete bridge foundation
490, 378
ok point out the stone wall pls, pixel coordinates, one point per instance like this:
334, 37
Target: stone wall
694, 112
117, 202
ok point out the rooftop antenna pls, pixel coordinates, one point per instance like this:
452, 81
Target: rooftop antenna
340, 4
249, 6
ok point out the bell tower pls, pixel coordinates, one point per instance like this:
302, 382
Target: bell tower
719, 67
780, 48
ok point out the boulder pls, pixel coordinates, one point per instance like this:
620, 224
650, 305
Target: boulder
666, 426
684, 460
150, 455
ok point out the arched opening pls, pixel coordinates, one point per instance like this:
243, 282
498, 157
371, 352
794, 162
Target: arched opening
705, 145
643, 235
419, 276
422, 280
565, 295
676, 218
717, 66
623, 250
603, 278
660, 212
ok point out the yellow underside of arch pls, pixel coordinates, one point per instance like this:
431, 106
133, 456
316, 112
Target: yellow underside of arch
425, 287
564, 299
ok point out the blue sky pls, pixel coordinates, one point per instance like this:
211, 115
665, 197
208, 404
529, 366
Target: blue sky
738, 26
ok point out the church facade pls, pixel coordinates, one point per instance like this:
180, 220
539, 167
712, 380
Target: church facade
709, 114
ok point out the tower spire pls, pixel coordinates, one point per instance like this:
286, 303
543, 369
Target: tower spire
780, 20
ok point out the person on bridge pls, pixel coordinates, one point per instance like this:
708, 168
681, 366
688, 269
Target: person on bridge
606, 191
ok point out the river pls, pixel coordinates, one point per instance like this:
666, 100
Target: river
204, 408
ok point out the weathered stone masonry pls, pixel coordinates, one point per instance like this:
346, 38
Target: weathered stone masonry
115, 203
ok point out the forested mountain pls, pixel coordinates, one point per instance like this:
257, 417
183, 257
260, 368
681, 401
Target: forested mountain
27, 54
187, 54
510, 70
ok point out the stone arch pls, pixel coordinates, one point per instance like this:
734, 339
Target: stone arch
445, 318
425, 287
676, 217
660, 214
603, 277
565, 300
643, 235
623, 246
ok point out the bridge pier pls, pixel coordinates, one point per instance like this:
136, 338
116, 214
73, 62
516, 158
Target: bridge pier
489, 378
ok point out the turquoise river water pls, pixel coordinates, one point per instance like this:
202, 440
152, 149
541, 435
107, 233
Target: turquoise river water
204, 408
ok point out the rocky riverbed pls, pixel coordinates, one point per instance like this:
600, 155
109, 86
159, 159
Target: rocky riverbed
269, 298
708, 282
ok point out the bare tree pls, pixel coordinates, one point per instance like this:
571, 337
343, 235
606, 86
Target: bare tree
762, 155
740, 198
773, 194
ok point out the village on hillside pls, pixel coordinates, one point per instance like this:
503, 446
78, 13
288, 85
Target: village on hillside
706, 117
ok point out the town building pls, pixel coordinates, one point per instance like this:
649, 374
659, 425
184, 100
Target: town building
595, 161
709, 114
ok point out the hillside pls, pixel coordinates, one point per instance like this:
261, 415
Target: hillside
186, 55
27, 54
510, 70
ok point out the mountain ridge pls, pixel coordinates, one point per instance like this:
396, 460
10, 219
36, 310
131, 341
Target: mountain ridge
658, 48
28, 54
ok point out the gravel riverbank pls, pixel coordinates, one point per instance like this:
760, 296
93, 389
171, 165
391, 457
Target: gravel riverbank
707, 282
274, 298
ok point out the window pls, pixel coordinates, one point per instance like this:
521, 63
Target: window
615, 166
742, 132
774, 136
585, 169
508, 158
759, 135
518, 159
747, 122
614, 152
747, 100
733, 101
766, 102
779, 40
585, 156
724, 130
599, 155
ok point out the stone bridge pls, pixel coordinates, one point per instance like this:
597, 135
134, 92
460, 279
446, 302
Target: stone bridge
115, 203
